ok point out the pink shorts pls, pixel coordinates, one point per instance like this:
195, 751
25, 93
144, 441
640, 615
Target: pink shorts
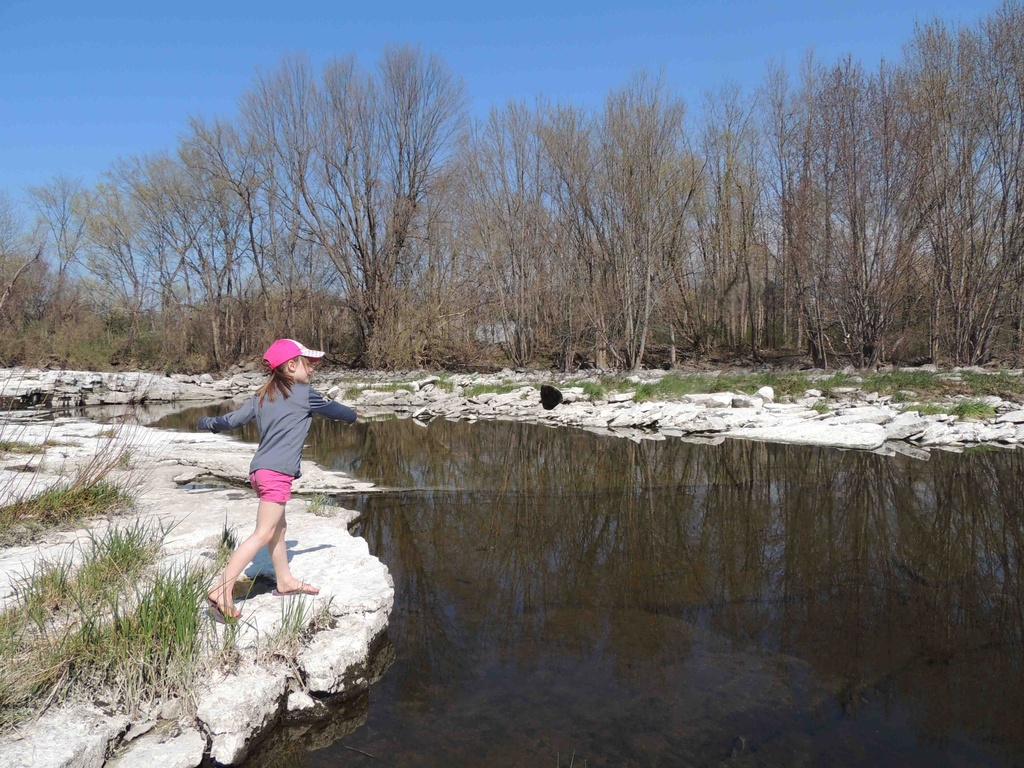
272, 486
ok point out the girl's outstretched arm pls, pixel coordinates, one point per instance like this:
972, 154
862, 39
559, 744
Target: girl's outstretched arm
321, 406
232, 420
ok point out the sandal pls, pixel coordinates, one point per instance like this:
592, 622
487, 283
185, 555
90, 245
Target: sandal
217, 613
304, 589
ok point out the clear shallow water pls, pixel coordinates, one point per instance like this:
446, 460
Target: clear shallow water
564, 597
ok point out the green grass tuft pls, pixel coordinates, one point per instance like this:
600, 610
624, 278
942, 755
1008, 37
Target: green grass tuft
893, 381
227, 545
1000, 384
62, 506
320, 505
117, 558
980, 448
151, 649
645, 393
973, 409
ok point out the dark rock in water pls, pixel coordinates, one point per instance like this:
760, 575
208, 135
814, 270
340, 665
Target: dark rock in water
549, 396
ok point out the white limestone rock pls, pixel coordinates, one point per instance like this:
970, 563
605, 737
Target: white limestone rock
240, 706
182, 751
705, 422
573, 394
905, 426
73, 737
421, 383
1012, 417
746, 417
906, 449
1004, 433
862, 415
787, 408
862, 436
676, 415
938, 434
300, 701
170, 709
335, 661
966, 433
712, 400
767, 394
638, 416
620, 397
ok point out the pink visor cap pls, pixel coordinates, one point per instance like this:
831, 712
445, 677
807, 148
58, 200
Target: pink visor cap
283, 350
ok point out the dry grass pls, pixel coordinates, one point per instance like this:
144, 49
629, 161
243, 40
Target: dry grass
101, 486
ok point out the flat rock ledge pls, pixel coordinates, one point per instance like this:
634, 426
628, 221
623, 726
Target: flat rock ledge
34, 387
241, 703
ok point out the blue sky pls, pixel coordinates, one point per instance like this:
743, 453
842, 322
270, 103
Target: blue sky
82, 84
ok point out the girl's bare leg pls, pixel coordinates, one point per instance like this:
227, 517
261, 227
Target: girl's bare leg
269, 516
279, 557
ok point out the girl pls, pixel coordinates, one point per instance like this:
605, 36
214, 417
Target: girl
282, 407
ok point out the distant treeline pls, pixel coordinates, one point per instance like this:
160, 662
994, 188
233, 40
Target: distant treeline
849, 214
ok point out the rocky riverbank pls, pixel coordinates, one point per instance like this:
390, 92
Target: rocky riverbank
845, 417
850, 416
252, 685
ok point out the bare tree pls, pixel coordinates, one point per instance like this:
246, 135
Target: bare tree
584, 278
967, 189
116, 256
511, 221
1002, 110
58, 206
876, 220
359, 155
14, 262
729, 243
624, 184
647, 186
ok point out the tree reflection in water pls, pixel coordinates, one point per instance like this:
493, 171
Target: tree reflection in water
671, 603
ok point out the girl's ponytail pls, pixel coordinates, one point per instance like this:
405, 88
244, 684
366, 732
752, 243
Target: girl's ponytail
280, 381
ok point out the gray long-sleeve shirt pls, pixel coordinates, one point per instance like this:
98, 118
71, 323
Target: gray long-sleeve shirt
283, 425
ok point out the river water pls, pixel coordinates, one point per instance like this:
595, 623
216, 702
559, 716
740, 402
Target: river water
563, 598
